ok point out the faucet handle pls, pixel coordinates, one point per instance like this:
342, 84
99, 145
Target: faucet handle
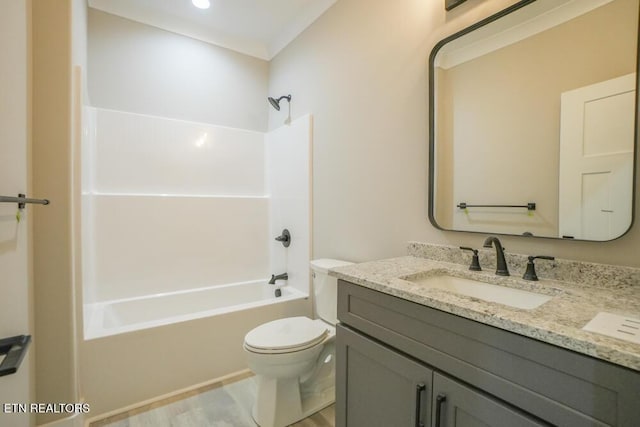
475, 262
530, 274
284, 238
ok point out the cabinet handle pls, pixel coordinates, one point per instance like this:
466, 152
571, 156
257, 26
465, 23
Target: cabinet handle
439, 402
419, 389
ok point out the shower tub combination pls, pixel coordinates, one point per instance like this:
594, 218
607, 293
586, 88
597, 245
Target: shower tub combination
153, 346
132, 314
171, 250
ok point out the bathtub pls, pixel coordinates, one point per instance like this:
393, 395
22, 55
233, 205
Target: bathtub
138, 349
131, 314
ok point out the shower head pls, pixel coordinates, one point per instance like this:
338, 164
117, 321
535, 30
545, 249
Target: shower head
276, 102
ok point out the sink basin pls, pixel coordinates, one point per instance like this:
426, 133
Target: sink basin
516, 298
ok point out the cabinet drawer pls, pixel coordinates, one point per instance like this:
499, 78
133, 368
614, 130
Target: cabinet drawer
560, 386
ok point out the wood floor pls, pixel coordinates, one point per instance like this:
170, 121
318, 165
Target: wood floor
223, 404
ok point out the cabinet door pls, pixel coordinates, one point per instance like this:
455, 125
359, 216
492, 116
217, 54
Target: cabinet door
377, 386
457, 405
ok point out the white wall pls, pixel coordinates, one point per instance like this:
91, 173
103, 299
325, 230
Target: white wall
54, 39
16, 303
171, 205
138, 68
288, 150
79, 22
362, 69
55, 326
134, 153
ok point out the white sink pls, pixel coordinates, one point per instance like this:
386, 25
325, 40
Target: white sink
508, 296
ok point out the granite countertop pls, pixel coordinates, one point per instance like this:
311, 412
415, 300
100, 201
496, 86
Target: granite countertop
558, 321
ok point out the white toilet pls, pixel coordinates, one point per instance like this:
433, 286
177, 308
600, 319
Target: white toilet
294, 358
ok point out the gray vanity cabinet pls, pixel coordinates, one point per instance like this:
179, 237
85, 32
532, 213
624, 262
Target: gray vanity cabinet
379, 387
461, 406
386, 346
384, 388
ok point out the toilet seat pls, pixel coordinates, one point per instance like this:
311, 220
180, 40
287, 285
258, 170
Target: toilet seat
285, 336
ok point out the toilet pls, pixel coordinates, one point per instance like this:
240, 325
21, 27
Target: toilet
294, 358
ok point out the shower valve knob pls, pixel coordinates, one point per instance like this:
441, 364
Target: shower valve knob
285, 238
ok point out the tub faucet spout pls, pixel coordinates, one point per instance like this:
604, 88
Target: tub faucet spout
283, 276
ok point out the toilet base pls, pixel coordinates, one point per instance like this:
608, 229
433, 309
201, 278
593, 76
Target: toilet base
294, 402
284, 401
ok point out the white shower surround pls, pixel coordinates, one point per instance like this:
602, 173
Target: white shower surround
178, 243
289, 171
171, 205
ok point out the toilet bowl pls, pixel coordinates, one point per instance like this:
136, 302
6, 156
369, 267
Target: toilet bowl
294, 358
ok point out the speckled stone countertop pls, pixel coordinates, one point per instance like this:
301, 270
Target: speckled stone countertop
558, 321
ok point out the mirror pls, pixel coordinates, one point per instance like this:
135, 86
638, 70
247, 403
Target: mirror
532, 121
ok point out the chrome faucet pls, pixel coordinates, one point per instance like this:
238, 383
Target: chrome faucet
283, 276
501, 263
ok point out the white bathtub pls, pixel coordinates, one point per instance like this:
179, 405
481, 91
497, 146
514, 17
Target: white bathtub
151, 346
132, 314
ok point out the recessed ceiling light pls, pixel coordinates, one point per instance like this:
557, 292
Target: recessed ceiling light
201, 4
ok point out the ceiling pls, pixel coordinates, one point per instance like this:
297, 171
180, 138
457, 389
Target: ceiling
259, 28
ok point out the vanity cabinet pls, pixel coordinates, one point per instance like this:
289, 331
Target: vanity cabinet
388, 347
379, 386
461, 406
385, 388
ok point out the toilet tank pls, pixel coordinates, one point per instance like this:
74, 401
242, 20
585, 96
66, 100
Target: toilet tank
325, 288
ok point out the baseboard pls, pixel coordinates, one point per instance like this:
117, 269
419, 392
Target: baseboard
136, 408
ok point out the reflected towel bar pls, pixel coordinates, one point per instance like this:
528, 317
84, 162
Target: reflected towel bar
22, 200
528, 206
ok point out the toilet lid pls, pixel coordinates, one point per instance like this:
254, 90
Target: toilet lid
286, 334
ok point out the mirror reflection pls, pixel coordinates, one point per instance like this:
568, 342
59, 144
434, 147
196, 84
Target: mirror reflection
533, 122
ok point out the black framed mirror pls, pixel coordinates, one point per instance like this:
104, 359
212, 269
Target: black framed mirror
533, 117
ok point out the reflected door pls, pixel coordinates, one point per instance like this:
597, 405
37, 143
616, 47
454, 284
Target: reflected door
596, 159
